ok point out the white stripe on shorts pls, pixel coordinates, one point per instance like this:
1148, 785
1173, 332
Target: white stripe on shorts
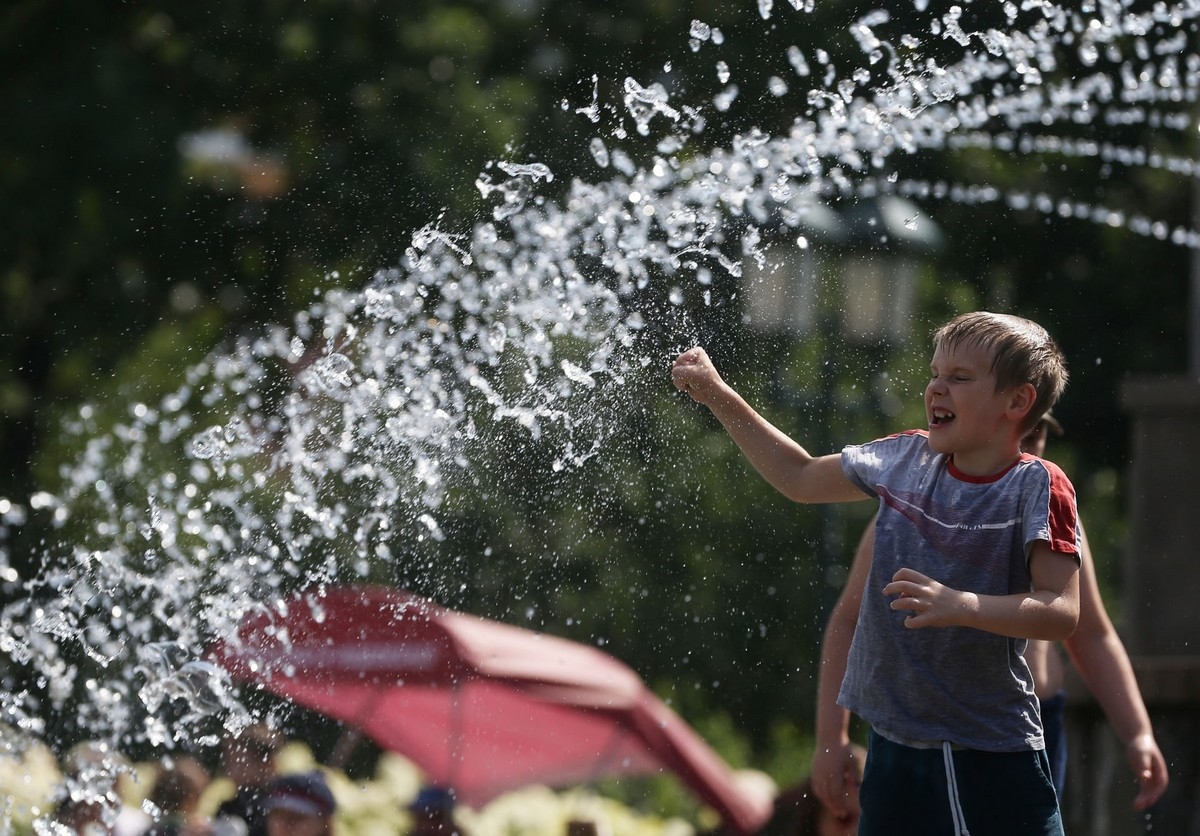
956, 811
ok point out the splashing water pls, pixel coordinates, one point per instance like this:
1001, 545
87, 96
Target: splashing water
317, 453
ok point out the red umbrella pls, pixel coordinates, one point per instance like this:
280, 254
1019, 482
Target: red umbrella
480, 706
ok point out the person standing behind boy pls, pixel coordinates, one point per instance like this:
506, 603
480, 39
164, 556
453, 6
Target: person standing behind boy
977, 550
1103, 663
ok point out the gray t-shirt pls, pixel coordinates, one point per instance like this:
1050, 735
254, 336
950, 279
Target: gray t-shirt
920, 687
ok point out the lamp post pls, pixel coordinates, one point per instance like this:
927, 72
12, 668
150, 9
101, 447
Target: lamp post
836, 277
889, 240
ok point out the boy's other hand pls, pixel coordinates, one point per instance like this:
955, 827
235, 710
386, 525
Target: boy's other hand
931, 603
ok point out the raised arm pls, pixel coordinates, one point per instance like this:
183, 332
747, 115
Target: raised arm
833, 771
787, 466
1100, 657
1050, 610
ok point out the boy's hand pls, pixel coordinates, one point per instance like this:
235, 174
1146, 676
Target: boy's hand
931, 603
694, 373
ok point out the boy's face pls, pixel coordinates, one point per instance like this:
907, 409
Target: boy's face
963, 408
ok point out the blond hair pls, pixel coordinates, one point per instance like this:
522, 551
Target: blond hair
1022, 352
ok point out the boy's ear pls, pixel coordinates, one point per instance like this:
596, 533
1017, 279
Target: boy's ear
1021, 401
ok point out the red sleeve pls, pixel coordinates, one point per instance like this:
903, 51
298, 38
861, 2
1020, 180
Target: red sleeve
1063, 516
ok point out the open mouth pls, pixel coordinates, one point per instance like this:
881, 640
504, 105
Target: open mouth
940, 417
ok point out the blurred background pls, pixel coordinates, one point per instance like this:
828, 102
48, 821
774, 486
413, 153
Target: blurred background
178, 175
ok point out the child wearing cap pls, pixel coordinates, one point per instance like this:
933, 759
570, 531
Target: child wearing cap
300, 805
433, 813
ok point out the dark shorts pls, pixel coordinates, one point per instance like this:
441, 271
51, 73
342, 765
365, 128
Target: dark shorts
905, 792
1053, 725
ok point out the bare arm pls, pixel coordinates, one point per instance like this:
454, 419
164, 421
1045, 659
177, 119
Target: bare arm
1100, 657
1050, 610
787, 466
833, 770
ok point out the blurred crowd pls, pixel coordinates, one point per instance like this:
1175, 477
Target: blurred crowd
246, 793
262, 801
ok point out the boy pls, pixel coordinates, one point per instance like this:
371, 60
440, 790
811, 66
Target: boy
974, 540
1095, 648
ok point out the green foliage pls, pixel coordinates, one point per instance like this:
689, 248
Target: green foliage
1101, 507
788, 759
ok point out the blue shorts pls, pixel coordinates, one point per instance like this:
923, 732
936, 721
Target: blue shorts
917, 792
1053, 726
